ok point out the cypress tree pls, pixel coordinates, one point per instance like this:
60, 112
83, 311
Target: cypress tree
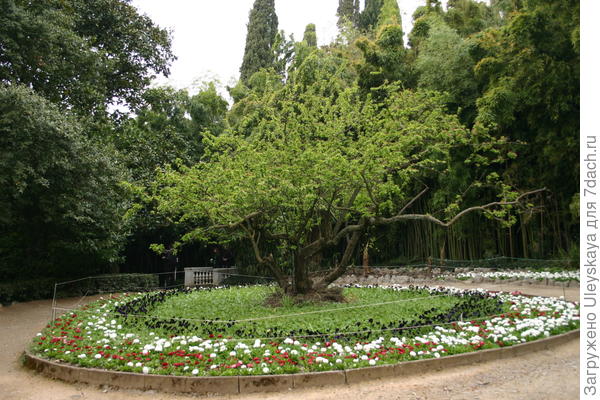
310, 35
262, 30
389, 14
348, 10
370, 15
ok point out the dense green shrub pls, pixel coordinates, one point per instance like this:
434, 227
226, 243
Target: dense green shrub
35, 289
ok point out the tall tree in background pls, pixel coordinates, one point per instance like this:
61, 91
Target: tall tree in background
389, 14
370, 15
310, 35
470, 16
385, 59
348, 11
529, 69
445, 65
262, 31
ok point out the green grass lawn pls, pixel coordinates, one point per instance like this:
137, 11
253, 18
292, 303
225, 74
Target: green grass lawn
368, 310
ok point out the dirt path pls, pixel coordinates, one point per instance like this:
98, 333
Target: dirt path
544, 375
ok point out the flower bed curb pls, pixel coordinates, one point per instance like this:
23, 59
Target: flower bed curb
276, 383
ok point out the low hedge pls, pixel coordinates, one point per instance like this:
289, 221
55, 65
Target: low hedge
43, 288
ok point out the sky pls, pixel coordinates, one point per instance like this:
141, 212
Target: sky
209, 36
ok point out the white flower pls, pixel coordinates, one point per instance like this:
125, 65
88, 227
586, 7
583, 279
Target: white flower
145, 370
232, 353
372, 362
265, 370
81, 356
97, 356
138, 364
213, 355
130, 364
338, 361
195, 371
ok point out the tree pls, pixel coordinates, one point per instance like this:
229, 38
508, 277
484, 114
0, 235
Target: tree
159, 134
385, 60
310, 35
207, 111
370, 15
320, 168
529, 73
348, 11
83, 55
469, 16
444, 64
61, 205
262, 30
283, 53
389, 14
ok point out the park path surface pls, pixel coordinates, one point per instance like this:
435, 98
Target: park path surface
544, 375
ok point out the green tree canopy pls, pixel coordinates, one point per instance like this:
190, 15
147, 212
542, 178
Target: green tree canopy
320, 166
470, 16
61, 205
310, 35
83, 55
348, 11
262, 31
385, 60
389, 14
370, 15
444, 63
529, 69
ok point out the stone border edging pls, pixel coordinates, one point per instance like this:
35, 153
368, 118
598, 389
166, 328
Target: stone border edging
276, 383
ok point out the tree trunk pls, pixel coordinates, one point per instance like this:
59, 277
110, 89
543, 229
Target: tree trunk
302, 282
340, 268
365, 259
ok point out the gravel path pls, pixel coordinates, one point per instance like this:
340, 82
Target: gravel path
545, 375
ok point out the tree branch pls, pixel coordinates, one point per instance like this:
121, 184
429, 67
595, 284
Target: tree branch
426, 217
342, 214
340, 268
430, 218
410, 203
268, 261
238, 223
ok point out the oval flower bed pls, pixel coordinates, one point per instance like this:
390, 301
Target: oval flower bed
144, 333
